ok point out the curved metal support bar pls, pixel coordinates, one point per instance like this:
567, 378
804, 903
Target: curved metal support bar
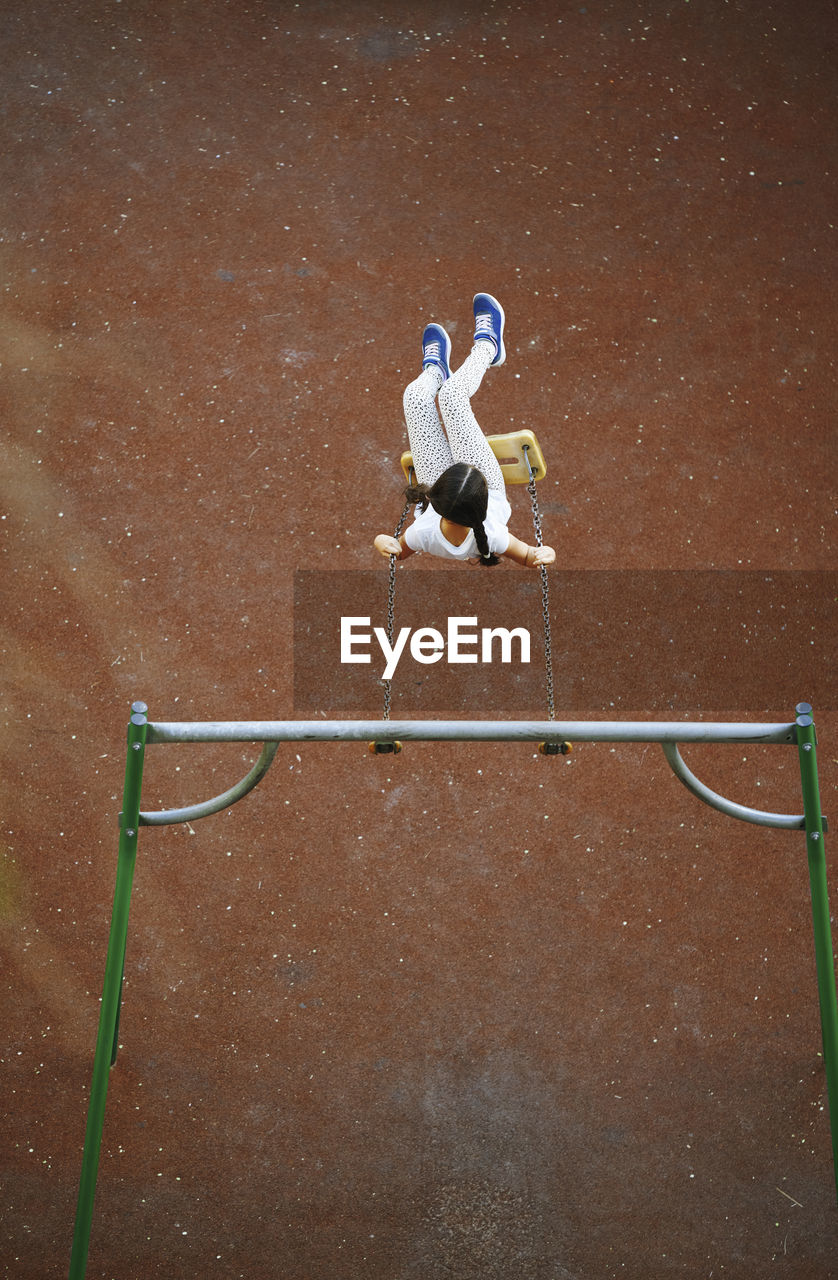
790, 821
163, 817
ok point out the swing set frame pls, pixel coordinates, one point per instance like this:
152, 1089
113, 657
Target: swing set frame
142, 733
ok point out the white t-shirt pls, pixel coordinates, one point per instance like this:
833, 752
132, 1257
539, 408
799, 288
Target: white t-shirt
425, 534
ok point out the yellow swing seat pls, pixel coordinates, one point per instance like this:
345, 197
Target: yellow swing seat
512, 451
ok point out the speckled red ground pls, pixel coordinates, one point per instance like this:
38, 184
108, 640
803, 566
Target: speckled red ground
468, 1012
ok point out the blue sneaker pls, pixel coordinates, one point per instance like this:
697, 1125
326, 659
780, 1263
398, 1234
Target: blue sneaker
488, 323
436, 349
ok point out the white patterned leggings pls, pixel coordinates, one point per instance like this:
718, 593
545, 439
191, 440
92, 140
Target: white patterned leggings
434, 451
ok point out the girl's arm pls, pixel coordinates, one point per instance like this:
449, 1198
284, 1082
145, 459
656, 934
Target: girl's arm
390, 546
530, 557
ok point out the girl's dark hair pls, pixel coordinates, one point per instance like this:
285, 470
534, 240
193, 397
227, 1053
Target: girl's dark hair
461, 495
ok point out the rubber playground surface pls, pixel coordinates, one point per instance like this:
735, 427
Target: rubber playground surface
468, 1011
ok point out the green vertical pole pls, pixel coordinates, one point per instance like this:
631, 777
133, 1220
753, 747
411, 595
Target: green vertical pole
112, 990
824, 961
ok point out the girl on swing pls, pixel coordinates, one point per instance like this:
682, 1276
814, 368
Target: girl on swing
463, 509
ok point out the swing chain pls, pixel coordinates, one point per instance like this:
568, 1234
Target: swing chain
391, 604
545, 596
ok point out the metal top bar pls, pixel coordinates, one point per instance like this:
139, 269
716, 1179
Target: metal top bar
681, 731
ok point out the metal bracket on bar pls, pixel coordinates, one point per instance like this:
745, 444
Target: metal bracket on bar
163, 817
790, 821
